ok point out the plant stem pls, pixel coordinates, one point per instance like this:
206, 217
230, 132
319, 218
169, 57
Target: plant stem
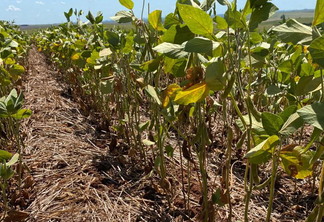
275, 160
320, 198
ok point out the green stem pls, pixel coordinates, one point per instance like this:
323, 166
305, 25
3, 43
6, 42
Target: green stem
320, 198
322, 84
275, 164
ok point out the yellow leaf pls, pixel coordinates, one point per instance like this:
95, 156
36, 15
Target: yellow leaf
76, 56
168, 93
193, 94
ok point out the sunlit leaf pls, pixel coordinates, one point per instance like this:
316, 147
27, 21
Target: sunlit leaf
155, 20
261, 14
313, 115
168, 93
4, 155
127, 3
198, 21
263, 147
293, 31
316, 49
151, 91
174, 51
193, 94
319, 15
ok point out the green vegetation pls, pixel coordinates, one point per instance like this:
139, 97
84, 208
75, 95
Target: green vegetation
163, 84
13, 48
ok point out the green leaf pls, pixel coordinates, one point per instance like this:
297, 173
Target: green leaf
234, 19
169, 150
127, 3
271, 123
68, 14
192, 95
17, 70
151, 65
319, 15
155, 20
306, 70
307, 84
296, 162
4, 155
198, 21
293, 31
293, 123
214, 76
288, 112
318, 153
220, 22
201, 45
313, 115
90, 18
123, 17
286, 66
113, 38
22, 114
316, 49
261, 14
263, 147
171, 20
273, 90
99, 18
13, 160
177, 34
175, 66
151, 91
171, 50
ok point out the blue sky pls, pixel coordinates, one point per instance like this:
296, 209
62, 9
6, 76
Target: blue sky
51, 11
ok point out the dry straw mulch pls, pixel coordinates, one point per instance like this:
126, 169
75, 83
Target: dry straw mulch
60, 155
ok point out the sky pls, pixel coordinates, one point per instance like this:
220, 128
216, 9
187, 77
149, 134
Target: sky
52, 11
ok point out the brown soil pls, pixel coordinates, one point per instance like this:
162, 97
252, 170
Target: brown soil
73, 177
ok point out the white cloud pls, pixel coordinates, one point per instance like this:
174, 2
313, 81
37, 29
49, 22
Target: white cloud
40, 3
13, 8
18, 1
63, 3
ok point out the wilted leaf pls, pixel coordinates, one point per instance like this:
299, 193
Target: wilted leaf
296, 162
